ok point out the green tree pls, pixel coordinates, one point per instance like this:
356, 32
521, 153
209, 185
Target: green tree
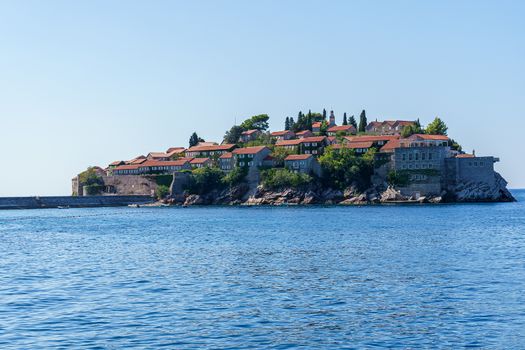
284, 178
454, 145
324, 114
293, 125
287, 123
233, 135
235, 177
195, 139
279, 153
353, 122
345, 121
437, 127
162, 192
362, 121
91, 181
259, 122
343, 168
323, 130
410, 130
204, 180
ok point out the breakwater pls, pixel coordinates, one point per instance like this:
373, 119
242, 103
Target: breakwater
72, 202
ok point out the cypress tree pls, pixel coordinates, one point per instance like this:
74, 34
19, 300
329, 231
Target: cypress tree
287, 123
293, 127
194, 139
362, 121
324, 114
345, 121
353, 122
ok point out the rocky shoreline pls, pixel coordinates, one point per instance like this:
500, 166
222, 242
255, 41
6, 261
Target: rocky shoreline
244, 195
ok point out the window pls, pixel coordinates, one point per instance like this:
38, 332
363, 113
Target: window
307, 144
314, 144
430, 156
417, 156
314, 151
250, 163
423, 156
475, 163
241, 164
481, 164
404, 166
403, 157
410, 156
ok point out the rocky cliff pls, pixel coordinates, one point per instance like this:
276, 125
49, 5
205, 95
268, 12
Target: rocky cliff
314, 194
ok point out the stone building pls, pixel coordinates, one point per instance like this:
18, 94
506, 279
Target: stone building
303, 163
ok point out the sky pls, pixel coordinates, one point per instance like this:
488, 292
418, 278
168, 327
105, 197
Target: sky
85, 83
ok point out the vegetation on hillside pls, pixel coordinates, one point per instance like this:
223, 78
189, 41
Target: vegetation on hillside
92, 182
279, 178
343, 168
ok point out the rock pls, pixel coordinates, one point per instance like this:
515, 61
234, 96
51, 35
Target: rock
391, 194
194, 199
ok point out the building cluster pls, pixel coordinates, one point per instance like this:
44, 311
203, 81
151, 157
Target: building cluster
428, 158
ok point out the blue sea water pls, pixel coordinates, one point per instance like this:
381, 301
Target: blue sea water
441, 276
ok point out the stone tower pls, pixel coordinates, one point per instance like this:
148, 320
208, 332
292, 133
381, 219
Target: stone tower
332, 119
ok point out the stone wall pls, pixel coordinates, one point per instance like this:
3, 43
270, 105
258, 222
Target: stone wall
477, 169
72, 202
121, 185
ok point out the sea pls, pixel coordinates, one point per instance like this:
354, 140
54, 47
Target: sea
316, 277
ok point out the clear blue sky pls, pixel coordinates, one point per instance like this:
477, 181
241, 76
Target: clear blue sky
87, 83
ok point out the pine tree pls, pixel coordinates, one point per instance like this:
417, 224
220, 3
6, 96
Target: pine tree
345, 121
437, 127
362, 121
324, 114
353, 122
293, 127
194, 139
287, 123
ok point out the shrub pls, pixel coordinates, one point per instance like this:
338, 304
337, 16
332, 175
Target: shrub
90, 177
398, 179
204, 180
281, 178
235, 177
162, 191
343, 168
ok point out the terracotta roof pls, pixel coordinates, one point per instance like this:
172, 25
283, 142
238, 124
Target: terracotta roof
465, 155
225, 147
249, 150
373, 138
405, 122
391, 145
312, 139
117, 162
301, 133
127, 167
429, 137
341, 128
249, 132
175, 150
226, 155
281, 133
164, 163
298, 157
316, 125
288, 142
199, 160
157, 155
354, 145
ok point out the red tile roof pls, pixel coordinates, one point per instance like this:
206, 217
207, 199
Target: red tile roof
164, 163
391, 145
316, 125
199, 160
249, 150
313, 139
175, 150
373, 138
298, 157
225, 147
354, 145
281, 133
249, 132
466, 155
288, 143
301, 133
127, 167
226, 155
341, 128
158, 155
117, 162
429, 137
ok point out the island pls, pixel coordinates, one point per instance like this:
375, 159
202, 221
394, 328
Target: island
312, 161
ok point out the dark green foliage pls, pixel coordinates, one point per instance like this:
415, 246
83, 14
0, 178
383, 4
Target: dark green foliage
235, 177
90, 177
345, 121
353, 122
204, 180
162, 192
342, 168
454, 145
164, 180
93, 189
259, 122
324, 114
410, 130
287, 123
283, 178
362, 121
233, 135
195, 139
324, 128
292, 125
437, 127
398, 179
